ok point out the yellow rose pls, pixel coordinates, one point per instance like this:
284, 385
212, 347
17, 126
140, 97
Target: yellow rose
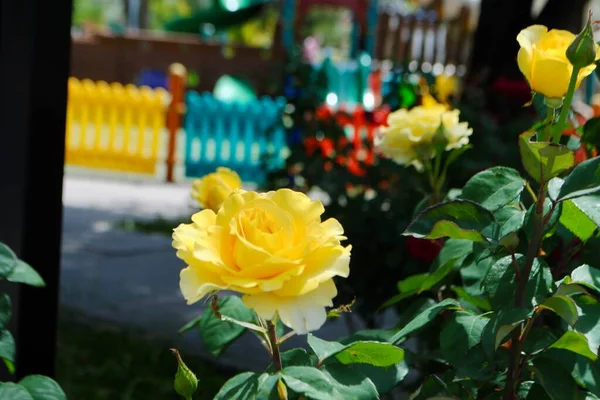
409, 133
445, 87
272, 248
543, 60
211, 190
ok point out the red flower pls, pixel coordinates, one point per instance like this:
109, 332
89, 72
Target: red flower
424, 249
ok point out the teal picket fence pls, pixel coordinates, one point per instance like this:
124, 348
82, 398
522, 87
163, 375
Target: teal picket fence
248, 138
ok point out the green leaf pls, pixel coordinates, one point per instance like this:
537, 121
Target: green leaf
461, 333
13, 391
538, 340
5, 310
296, 357
423, 319
322, 348
361, 352
385, 379
586, 276
372, 353
591, 132
585, 373
554, 188
309, 382
562, 306
267, 387
575, 342
544, 158
420, 283
462, 294
499, 284
42, 388
217, 335
557, 382
552, 221
537, 392
8, 260
458, 219
190, 325
7, 349
500, 326
589, 206
24, 273
494, 188
349, 383
588, 322
576, 221
510, 219
241, 387
584, 180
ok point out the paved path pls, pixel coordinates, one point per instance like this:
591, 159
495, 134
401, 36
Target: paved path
131, 278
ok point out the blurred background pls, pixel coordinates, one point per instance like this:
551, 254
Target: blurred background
288, 93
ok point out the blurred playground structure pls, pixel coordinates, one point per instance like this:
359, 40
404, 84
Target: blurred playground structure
127, 114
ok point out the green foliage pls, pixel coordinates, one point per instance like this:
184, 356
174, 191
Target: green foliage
494, 188
32, 387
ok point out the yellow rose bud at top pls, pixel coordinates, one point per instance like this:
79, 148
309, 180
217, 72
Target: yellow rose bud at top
410, 133
211, 190
270, 247
543, 60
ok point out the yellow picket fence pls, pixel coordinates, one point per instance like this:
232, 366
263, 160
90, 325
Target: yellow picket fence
116, 127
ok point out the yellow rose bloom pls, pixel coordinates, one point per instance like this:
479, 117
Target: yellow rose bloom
211, 190
543, 60
270, 247
445, 87
410, 132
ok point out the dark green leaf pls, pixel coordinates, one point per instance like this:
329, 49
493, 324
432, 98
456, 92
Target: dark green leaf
557, 382
295, 357
24, 273
349, 383
591, 132
13, 391
589, 320
575, 342
576, 221
377, 335
454, 249
537, 392
309, 382
217, 334
563, 306
8, 260
582, 181
267, 387
384, 378
586, 276
510, 219
458, 219
7, 349
538, 339
463, 295
241, 387
420, 283
424, 318
544, 158
42, 388
461, 333
494, 187
499, 283
5, 310
500, 326
585, 373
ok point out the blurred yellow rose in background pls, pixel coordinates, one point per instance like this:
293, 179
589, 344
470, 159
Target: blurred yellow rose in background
543, 60
408, 136
211, 190
272, 248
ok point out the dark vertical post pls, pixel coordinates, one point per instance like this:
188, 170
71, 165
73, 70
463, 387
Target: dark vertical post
34, 63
